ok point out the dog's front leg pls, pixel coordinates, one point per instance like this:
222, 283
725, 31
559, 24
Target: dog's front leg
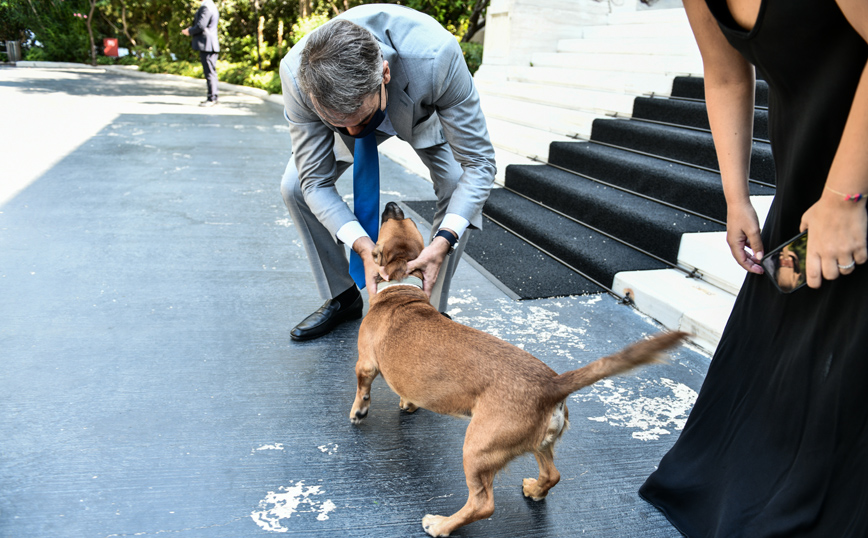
366, 372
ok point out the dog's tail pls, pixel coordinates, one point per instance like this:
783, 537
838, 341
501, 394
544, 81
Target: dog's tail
643, 352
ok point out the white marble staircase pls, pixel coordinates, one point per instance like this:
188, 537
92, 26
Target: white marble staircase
559, 93
557, 96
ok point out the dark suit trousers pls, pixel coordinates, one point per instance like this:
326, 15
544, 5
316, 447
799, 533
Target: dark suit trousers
209, 67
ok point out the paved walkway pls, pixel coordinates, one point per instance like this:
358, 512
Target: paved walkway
149, 276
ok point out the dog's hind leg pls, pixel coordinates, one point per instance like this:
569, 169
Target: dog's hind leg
538, 488
366, 372
482, 460
407, 405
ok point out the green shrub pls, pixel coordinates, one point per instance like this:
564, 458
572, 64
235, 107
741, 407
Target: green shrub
472, 55
307, 25
234, 73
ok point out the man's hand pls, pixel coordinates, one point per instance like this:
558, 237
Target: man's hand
364, 247
186, 31
429, 262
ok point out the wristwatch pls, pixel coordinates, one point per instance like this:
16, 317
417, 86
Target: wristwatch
449, 236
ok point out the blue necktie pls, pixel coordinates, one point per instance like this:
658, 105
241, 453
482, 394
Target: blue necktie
366, 197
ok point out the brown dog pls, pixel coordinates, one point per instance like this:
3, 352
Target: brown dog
516, 404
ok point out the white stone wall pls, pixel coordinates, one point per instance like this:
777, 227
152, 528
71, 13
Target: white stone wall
515, 29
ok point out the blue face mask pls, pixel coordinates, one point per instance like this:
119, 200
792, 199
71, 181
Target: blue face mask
373, 122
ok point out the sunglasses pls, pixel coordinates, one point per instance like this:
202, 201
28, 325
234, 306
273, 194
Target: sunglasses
785, 265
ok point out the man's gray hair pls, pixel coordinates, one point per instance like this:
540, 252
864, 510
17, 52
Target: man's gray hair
341, 65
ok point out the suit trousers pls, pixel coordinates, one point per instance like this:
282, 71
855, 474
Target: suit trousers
328, 257
209, 68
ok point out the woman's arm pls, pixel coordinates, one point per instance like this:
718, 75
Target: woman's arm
729, 94
837, 227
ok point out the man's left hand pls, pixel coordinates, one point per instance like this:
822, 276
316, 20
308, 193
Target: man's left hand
429, 262
185, 31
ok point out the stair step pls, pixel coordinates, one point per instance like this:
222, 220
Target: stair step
679, 302
684, 186
521, 139
593, 79
525, 271
694, 88
662, 29
539, 116
641, 222
672, 46
681, 144
588, 251
654, 16
565, 97
709, 253
638, 63
690, 113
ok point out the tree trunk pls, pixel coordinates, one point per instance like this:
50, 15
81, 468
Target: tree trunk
260, 40
473, 23
90, 32
126, 28
258, 34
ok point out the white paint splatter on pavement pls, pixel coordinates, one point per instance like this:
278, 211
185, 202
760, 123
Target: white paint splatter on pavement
329, 448
296, 499
518, 324
652, 416
276, 446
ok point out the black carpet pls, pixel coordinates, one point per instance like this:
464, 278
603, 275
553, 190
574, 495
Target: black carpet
659, 170
529, 273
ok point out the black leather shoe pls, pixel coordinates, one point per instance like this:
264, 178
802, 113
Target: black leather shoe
329, 316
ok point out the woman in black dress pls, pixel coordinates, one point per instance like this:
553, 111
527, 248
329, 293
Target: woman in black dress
777, 442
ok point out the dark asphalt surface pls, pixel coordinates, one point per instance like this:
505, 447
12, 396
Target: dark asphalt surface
149, 277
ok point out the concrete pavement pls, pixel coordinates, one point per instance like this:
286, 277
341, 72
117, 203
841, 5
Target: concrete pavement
149, 276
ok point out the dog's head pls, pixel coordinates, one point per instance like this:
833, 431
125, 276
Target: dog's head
399, 242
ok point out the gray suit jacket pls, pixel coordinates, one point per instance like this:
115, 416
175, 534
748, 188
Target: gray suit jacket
204, 29
432, 100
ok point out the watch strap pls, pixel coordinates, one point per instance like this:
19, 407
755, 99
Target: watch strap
449, 236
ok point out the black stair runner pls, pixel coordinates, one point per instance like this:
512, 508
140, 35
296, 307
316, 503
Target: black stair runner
618, 202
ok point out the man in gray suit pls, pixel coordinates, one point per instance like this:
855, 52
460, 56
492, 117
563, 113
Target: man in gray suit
393, 68
204, 32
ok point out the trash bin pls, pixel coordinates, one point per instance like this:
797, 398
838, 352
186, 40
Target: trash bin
110, 46
13, 51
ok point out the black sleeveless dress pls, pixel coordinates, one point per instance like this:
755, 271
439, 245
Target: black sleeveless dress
777, 442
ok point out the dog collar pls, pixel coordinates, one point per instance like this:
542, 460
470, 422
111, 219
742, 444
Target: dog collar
414, 281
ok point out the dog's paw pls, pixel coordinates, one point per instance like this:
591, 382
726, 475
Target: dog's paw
531, 490
432, 525
407, 406
357, 414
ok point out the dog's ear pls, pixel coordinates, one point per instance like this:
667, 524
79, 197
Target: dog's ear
377, 253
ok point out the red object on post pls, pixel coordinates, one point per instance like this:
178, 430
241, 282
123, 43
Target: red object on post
110, 46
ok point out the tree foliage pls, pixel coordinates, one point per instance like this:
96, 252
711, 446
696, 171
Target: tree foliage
254, 34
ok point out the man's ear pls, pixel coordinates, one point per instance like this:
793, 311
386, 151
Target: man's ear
387, 74
377, 254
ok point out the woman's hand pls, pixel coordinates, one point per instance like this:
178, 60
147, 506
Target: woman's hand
837, 231
743, 233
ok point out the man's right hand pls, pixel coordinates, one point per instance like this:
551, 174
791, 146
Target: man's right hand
364, 247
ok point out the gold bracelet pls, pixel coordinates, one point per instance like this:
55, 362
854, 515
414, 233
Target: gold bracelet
847, 197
